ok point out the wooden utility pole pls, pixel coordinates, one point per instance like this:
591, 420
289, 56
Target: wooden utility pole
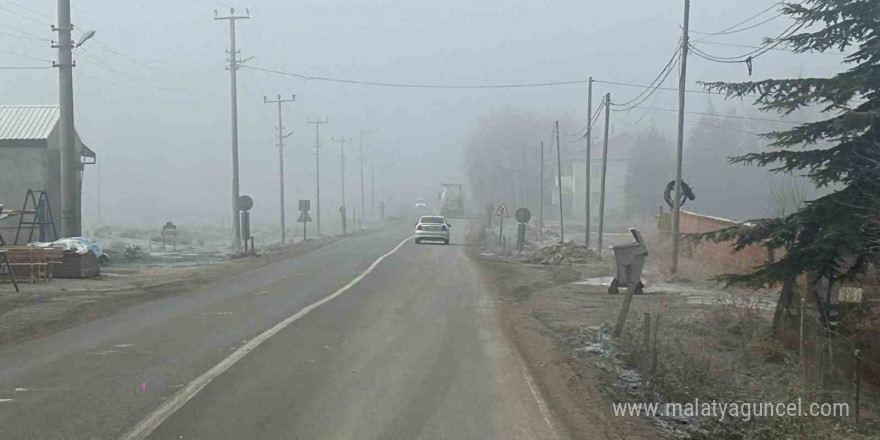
682, 83
587, 165
604, 171
281, 137
559, 182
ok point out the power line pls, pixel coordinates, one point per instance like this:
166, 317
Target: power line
654, 90
723, 31
614, 83
663, 73
20, 37
29, 9
417, 86
24, 67
24, 56
781, 121
29, 34
24, 16
735, 31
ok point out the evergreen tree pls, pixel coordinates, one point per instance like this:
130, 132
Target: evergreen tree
651, 160
826, 237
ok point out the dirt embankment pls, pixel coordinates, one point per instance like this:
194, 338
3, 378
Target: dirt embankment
542, 312
712, 344
46, 308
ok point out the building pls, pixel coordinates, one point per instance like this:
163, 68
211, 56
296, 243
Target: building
30, 158
574, 185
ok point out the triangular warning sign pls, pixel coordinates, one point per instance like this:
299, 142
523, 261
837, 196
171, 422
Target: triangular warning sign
502, 211
303, 217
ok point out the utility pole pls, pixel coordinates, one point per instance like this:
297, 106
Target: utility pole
318, 122
588, 164
525, 181
70, 156
604, 171
342, 142
373, 189
682, 83
559, 182
541, 195
233, 68
99, 193
281, 137
361, 140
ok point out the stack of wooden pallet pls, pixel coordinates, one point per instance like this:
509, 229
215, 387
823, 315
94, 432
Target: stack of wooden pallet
74, 265
32, 264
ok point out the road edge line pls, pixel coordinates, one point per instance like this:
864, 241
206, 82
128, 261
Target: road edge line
146, 426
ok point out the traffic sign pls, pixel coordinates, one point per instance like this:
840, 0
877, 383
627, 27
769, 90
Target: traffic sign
502, 211
245, 203
304, 217
522, 215
304, 204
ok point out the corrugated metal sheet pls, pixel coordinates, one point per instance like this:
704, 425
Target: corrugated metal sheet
27, 122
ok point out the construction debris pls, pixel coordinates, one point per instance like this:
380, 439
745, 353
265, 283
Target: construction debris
563, 254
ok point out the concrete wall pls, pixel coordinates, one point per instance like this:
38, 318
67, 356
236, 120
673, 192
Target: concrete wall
23, 166
718, 253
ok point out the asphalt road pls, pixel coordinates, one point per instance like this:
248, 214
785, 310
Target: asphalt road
411, 349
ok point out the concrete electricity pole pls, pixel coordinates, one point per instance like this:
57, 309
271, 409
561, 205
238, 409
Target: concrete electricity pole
604, 171
588, 165
361, 140
342, 142
233, 67
559, 182
281, 137
541, 195
373, 189
318, 123
70, 155
682, 83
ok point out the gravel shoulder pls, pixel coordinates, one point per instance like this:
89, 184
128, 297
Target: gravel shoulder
544, 314
45, 308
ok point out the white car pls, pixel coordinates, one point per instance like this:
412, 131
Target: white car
432, 228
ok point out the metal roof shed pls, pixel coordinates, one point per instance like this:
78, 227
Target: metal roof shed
30, 158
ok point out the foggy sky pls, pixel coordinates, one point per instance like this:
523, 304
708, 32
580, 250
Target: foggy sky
158, 116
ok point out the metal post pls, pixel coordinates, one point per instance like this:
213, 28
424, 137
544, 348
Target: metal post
233, 68
604, 170
317, 123
373, 189
281, 137
70, 190
587, 172
682, 83
541, 195
559, 182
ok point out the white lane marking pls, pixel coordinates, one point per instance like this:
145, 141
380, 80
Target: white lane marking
541, 405
6, 400
147, 425
124, 345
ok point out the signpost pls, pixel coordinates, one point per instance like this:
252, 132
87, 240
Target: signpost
501, 212
522, 216
245, 203
304, 217
169, 230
